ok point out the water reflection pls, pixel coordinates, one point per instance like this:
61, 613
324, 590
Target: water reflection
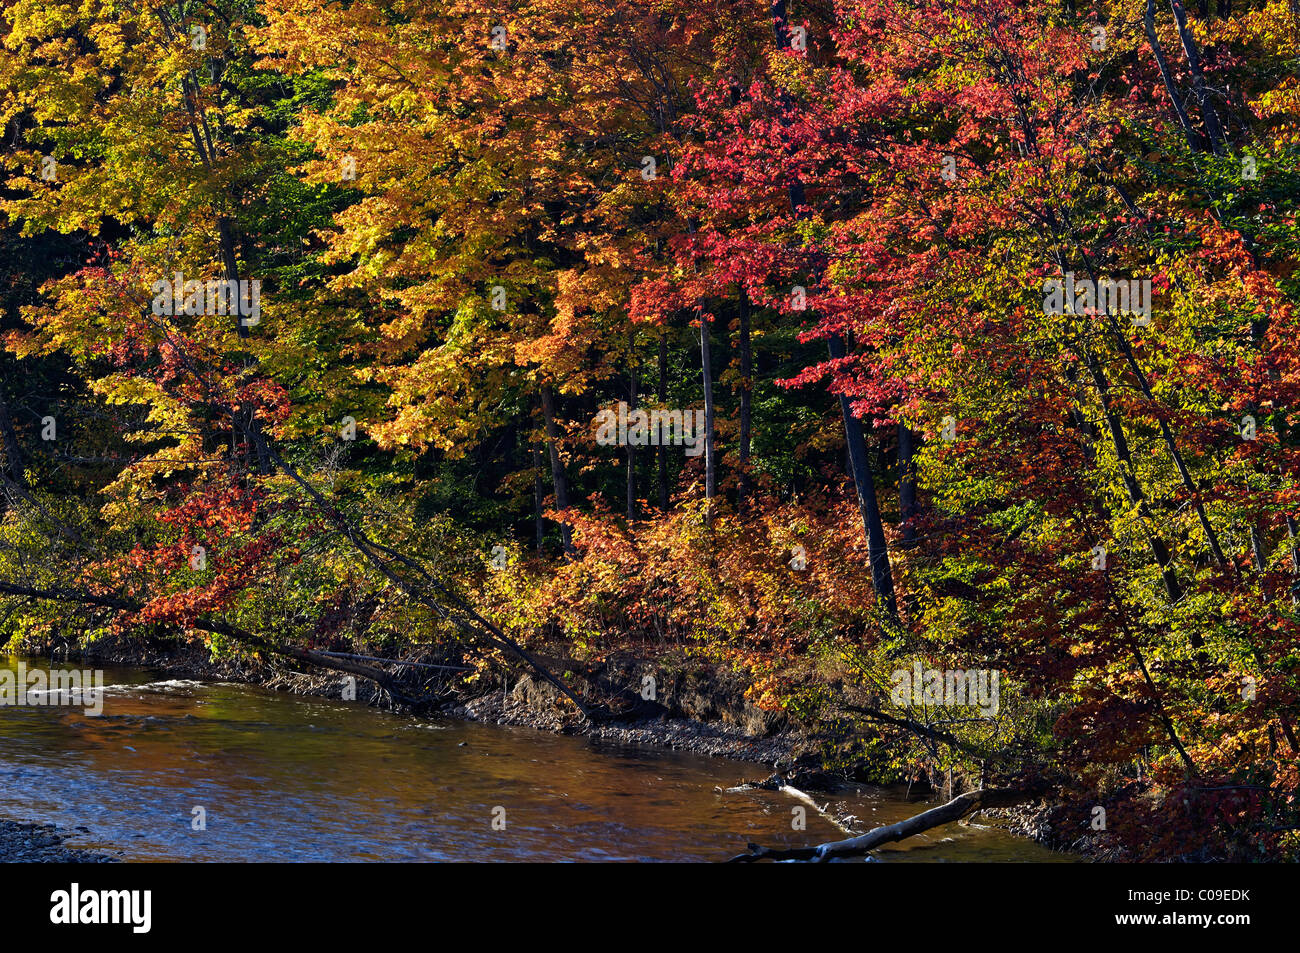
288, 778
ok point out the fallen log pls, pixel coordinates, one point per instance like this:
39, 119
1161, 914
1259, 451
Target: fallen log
954, 810
798, 795
778, 784
381, 678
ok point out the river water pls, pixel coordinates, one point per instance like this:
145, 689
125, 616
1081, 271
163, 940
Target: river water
288, 778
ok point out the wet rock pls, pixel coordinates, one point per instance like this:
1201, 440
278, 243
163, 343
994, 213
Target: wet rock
43, 844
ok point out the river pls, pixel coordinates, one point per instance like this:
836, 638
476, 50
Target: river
289, 778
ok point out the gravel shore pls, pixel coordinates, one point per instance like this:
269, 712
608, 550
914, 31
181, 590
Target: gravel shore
43, 844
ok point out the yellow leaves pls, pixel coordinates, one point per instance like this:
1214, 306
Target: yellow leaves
128, 389
1282, 103
36, 20
1272, 26
24, 344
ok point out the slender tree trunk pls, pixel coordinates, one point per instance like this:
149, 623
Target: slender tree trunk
746, 398
907, 482
558, 478
1209, 115
631, 402
1166, 434
661, 452
710, 450
1291, 534
882, 577
230, 265
1256, 547
539, 496
1121, 616
1194, 140
1119, 443
1095, 370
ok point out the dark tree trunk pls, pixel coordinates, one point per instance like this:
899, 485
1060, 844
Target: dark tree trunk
1194, 139
1256, 548
746, 398
1291, 534
1119, 443
1209, 115
558, 478
907, 482
661, 452
539, 496
710, 450
882, 576
631, 402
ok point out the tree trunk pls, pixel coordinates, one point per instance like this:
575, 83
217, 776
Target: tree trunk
558, 478
1291, 534
1194, 140
1209, 115
661, 452
631, 402
746, 398
1166, 434
539, 496
710, 450
907, 482
1119, 443
882, 576
954, 810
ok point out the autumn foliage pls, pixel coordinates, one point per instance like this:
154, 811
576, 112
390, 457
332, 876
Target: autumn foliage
833, 227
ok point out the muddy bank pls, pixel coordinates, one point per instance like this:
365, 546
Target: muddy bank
678, 734
43, 844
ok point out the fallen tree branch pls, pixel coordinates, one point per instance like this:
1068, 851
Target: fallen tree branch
475, 625
426, 589
798, 795
925, 731
778, 783
378, 676
954, 810
396, 661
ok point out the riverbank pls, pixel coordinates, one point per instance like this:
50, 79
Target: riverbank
727, 727
697, 713
44, 844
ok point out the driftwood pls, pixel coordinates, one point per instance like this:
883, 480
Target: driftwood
777, 783
798, 795
954, 810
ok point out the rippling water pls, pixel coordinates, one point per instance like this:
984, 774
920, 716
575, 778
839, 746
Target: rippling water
290, 778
